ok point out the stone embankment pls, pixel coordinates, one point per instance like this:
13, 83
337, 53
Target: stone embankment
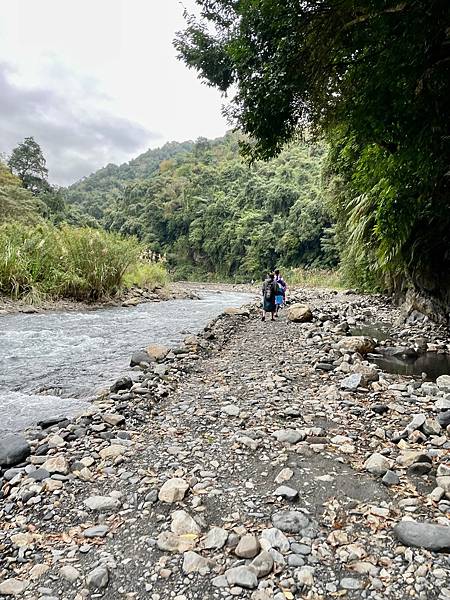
265, 461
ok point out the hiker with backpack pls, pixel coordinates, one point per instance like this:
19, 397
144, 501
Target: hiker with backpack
280, 294
269, 292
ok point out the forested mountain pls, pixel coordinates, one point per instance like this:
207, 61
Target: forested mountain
97, 191
373, 79
209, 211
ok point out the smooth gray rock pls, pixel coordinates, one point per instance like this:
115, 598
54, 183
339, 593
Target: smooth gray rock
286, 492
96, 531
290, 436
14, 449
276, 539
423, 535
290, 521
391, 478
352, 382
243, 576
262, 564
98, 578
102, 503
216, 538
443, 383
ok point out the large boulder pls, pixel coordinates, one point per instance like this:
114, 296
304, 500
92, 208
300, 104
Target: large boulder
299, 313
357, 343
14, 449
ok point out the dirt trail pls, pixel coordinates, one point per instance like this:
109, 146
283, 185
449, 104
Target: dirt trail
262, 454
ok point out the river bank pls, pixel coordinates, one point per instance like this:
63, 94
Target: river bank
255, 460
131, 297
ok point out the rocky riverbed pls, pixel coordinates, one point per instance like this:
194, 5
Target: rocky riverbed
268, 461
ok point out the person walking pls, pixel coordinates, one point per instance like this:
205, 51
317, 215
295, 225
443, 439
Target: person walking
268, 293
280, 296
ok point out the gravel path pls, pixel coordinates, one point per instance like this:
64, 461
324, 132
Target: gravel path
261, 460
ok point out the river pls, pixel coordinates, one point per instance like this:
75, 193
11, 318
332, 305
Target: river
52, 363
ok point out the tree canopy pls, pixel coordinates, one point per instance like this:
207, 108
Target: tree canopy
208, 211
373, 77
28, 163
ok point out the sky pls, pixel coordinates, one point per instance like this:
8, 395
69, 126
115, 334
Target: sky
98, 81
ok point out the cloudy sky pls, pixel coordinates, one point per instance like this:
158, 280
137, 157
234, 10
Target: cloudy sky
97, 81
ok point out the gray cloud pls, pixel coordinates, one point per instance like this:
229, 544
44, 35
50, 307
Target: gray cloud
76, 137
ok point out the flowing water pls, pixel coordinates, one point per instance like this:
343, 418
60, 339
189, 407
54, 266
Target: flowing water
52, 363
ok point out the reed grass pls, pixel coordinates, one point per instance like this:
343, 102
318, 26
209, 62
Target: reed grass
314, 278
47, 262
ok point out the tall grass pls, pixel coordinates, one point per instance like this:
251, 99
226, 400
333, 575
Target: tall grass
49, 262
146, 275
321, 278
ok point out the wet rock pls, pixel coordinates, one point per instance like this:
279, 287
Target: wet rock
173, 490
102, 503
243, 576
443, 418
98, 578
39, 474
124, 383
139, 357
290, 521
423, 535
14, 449
420, 468
299, 313
377, 464
248, 546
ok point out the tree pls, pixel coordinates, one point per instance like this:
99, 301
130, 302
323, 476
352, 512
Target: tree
29, 164
17, 203
373, 76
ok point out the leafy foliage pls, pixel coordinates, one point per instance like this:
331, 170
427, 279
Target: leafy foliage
95, 194
28, 163
210, 212
17, 203
373, 76
66, 262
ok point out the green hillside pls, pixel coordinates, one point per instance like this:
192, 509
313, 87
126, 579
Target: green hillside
97, 191
208, 211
